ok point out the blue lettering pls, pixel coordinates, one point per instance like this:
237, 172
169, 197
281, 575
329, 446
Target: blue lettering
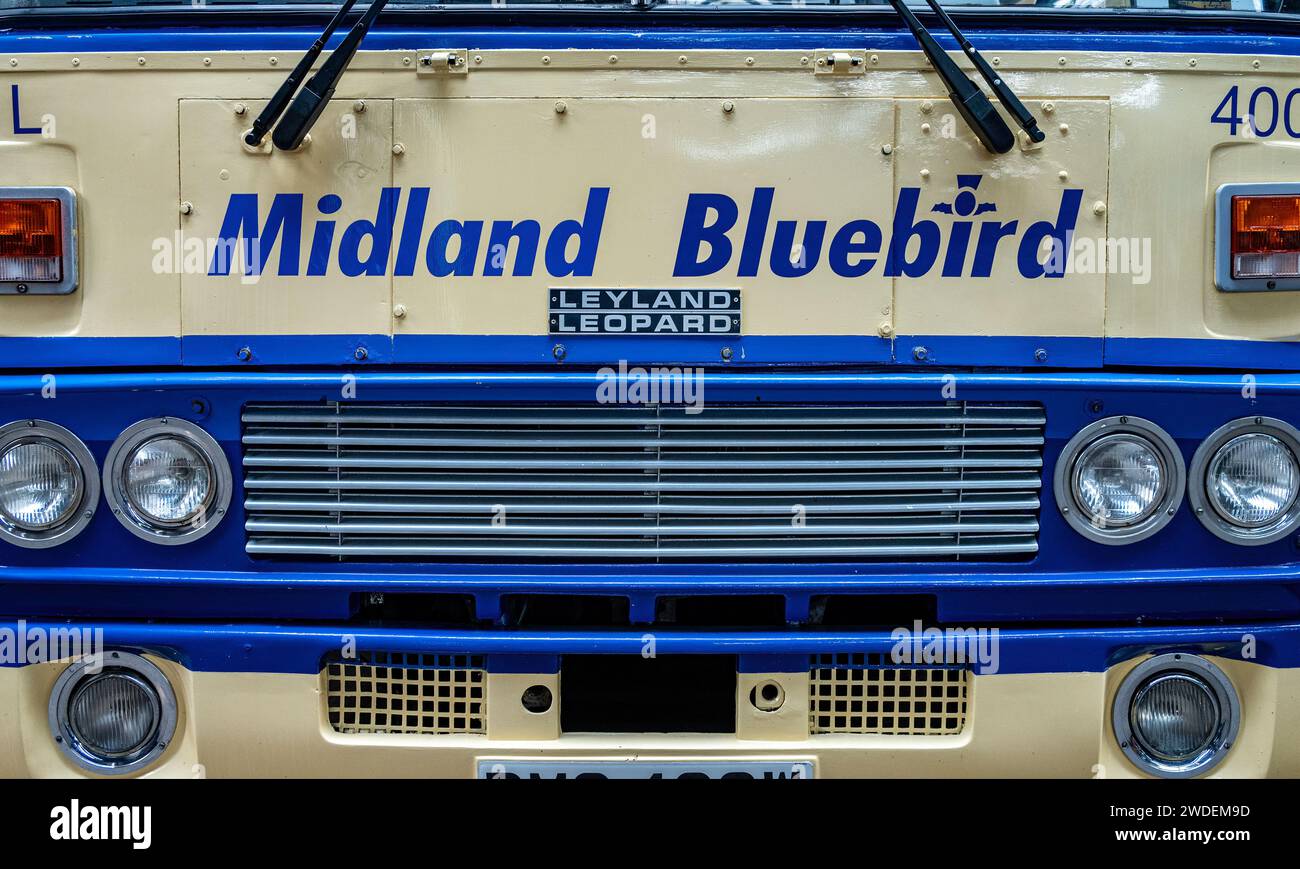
695, 232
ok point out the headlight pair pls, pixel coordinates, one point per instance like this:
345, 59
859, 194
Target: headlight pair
1121, 479
166, 480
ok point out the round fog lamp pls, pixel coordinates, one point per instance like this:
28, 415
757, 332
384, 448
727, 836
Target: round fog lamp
1252, 480
40, 485
168, 481
113, 713
1176, 715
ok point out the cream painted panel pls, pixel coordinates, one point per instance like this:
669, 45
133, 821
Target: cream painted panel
110, 137
488, 159
1255, 315
352, 163
1024, 186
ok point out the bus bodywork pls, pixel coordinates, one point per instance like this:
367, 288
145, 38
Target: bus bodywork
460, 536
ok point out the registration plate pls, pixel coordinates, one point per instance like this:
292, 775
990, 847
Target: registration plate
645, 769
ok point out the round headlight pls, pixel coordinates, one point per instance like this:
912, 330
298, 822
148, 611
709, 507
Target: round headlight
1176, 715
1246, 478
48, 484
40, 484
167, 480
116, 719
1119, 480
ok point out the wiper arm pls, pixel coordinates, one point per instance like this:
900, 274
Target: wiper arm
974, 107
269, 115
1005, 95
315, 95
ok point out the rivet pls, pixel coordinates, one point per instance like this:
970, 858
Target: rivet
406, 61
399, 149
885, 330
399, 311
207, 61
76, 61
728, 106
478, 58
875, 58
1065, 129
1255, 63
749, 61
240, 108
546, 60
1099, 208
886, 149
925, 128
997, 61
1128, 61
1048, 108
927, 107
359, 106
613, 58
803, 61
681, 59
925, 173
187, 208
1063, 175
273, 61
140, 61
1060, 61
561, 107
1192, 62
13, 61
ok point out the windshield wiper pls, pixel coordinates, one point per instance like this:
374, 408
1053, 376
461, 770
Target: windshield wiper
1005, 95
269, 115
974, 107
315, 95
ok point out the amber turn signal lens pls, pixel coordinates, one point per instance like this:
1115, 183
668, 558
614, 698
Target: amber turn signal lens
1265, 236
31, 240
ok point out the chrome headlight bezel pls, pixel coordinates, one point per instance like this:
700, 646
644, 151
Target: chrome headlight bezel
1196, 668
144, 526
41, 431
1198, 492
78, 673
1166, 506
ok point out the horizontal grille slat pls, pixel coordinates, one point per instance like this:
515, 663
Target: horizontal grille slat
432, 482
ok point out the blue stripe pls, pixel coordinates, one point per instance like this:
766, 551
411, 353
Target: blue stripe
300, 649
1010, 351
649, 35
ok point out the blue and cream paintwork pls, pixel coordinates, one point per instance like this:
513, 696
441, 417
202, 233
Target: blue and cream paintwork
633, 128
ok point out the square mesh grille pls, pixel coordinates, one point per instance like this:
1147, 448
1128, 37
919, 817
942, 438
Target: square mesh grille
395, 692
869, 694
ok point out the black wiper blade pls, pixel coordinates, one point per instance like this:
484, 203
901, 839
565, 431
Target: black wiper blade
269, 115
974, 107
1005, 95
316, 94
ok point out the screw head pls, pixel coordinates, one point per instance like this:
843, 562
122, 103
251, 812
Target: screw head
559, 351
728, 106
726, 354
399, 149
1040, 355
243, 354
920, 354
361, 354
561, 107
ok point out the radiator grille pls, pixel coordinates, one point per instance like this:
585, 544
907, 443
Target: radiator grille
394, 692
369, 482
867, 694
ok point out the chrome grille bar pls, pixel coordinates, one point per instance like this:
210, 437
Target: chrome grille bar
430, 482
